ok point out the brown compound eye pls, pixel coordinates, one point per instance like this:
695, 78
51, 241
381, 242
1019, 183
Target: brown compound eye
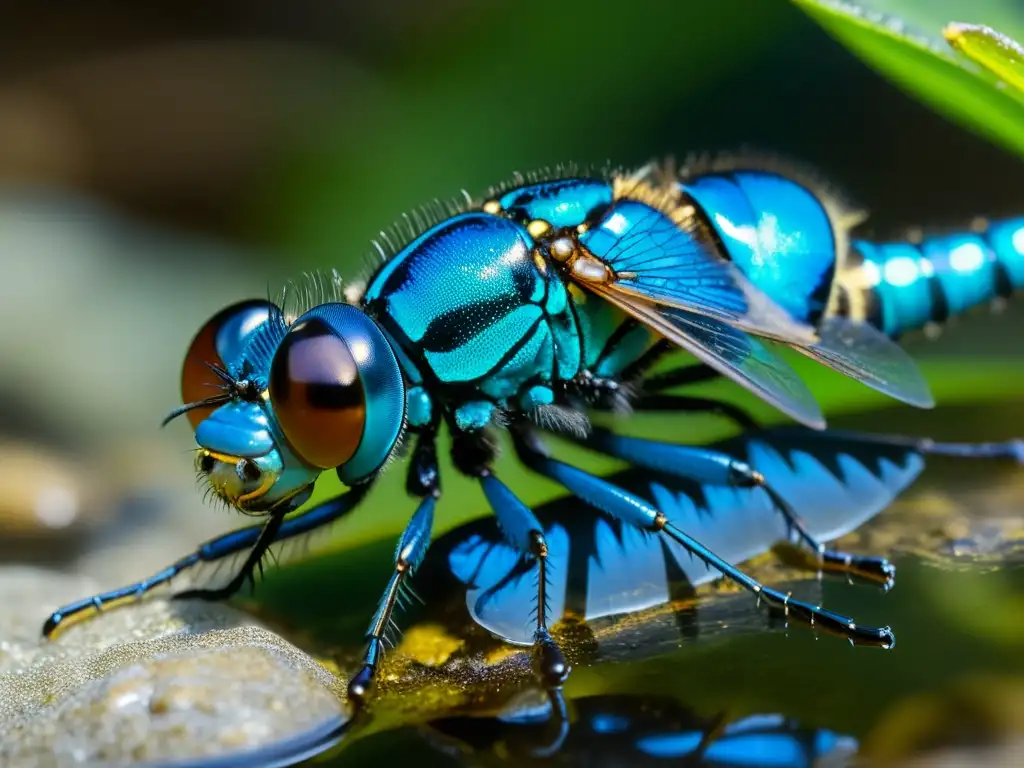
317, 394
221, 342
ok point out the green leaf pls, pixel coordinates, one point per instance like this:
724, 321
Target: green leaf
1001, 55
910, 49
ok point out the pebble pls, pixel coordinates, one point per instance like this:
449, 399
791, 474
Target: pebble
148, 684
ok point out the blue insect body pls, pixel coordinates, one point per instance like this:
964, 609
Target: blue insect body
531, 309
790, 242
779, 233
907, 286
503, 339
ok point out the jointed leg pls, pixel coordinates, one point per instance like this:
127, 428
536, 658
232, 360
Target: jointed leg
712, 467
474, 454
1009, 449
635, 511
654, 397
258, 538
408, 556
679, 377
422, 480
524, 532
534, 734
267, 536
687, 404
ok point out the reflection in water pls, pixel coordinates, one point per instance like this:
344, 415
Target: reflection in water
622, 729
600, 567
631, 669
956, 612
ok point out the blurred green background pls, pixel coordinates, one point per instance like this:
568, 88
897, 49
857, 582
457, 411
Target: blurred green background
159, 160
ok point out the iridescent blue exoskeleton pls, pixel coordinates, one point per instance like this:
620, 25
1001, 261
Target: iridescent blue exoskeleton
544, 302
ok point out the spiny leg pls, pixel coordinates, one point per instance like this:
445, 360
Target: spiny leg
548, 741
688, 404
523, 531
654, 397
712, 467
1008, 449
267, 536
633, 510
611, 395
532, 732
422, 480
257, 538
276, 529
409, 554
686, 375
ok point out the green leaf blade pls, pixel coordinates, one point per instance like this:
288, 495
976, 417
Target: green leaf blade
999, 54
956, 84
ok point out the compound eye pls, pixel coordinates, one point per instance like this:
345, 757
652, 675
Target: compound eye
221, 342
317, 394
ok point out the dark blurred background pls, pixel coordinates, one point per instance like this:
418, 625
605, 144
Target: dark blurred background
301, 128
159, 159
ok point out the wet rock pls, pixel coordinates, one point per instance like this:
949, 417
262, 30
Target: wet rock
66, 508
45, 502
185, 696
148, 683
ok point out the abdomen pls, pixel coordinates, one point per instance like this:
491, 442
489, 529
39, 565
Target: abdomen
903, 287
791, 241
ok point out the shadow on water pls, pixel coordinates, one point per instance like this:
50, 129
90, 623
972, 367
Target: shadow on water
628, 729
717, 681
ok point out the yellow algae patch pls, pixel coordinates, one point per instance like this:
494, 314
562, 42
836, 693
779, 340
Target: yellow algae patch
429, 644
502, 653
330, 665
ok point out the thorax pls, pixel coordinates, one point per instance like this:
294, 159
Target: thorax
477, 314
484, 321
